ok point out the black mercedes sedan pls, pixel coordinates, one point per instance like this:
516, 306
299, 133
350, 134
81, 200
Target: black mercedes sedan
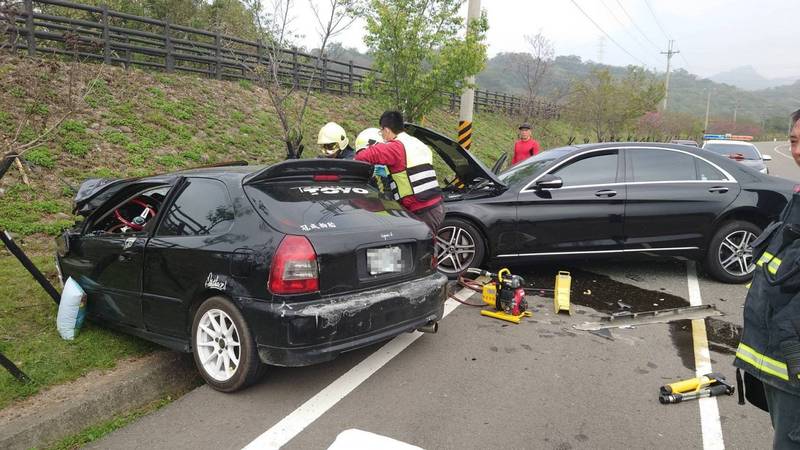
602, 200
286, 265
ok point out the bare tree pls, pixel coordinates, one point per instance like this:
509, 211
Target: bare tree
532, 68
274, 23
77, 86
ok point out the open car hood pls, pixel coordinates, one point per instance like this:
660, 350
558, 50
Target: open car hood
466, 166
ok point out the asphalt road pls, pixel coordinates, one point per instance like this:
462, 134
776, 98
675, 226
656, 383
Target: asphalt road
482, 383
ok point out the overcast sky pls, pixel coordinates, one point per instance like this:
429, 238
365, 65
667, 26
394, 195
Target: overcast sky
712, 35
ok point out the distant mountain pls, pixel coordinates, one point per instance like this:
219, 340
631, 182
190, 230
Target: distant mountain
747, 78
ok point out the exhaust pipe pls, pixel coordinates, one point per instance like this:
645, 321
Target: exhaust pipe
430, 327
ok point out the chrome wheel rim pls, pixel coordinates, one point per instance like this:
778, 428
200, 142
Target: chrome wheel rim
218, 345
455, 249
735, 253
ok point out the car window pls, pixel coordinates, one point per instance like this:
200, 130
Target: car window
747, 151
131, 211
649, 165
595, 168
203, 207
707, 172
532, 166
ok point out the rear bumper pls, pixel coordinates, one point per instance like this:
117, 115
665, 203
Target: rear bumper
305, 333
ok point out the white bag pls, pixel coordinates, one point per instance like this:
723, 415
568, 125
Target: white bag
71, 310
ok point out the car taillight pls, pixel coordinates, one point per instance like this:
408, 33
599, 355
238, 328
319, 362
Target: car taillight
326, 178
294, 267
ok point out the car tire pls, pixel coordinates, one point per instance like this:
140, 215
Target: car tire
220, 336
729, 251
459, 246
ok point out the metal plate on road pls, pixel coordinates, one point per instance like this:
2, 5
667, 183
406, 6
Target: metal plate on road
649, 317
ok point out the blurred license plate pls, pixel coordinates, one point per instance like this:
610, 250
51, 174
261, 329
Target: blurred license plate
384, 260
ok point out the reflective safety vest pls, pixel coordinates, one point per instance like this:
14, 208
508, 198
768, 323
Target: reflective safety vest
770, 345
418, 178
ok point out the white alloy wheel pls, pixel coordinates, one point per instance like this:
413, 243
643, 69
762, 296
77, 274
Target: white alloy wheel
218, 345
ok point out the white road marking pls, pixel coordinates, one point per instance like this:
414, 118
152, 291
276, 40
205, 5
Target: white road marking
293, 424
710, 424
780, 152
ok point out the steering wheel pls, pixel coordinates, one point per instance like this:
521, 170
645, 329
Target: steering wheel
137, 223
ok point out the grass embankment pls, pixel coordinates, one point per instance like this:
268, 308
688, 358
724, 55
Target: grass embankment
135, 123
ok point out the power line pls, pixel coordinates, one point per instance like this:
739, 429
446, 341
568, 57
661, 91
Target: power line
607, 35
633, 22
666, 35
624, 27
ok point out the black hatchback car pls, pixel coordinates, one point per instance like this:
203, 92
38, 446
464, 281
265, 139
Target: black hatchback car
288, 265
602, 200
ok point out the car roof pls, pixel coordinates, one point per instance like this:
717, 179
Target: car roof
636, 145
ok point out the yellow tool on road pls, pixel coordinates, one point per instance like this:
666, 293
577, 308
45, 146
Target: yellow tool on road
505, 294
561, 293
709, 385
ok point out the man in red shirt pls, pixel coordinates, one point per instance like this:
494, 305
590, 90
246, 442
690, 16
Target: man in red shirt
410, 163
526, 146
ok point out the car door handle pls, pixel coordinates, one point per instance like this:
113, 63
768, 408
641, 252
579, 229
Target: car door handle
125, 256
605, 193
720, 189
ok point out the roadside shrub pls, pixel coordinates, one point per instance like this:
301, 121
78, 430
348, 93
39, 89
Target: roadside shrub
76, 147
40, 156
116, 138
74, 126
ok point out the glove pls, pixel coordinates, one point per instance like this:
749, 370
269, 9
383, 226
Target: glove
791, 351
380, 171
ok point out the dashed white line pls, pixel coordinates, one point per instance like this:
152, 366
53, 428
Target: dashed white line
710, 424
293, 424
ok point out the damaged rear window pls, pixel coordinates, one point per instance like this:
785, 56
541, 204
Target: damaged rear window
294, 207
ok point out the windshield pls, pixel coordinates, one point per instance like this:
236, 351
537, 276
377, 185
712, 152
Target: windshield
532, 166
746, 150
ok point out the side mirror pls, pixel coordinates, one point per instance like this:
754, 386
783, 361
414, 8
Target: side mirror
549, 181
766, 157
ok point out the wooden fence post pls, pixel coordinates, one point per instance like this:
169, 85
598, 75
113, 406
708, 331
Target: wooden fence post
323, 78
217, 56
170, 57
106, 37
127, 53
350, 77
29, 30
295, 68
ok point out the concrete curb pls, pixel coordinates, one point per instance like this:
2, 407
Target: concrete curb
67, 409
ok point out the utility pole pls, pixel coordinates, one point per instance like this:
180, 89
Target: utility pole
708, 107
669, 54
735, 110
468, 95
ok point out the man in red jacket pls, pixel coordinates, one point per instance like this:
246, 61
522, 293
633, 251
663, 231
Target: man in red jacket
526, 146
410, 163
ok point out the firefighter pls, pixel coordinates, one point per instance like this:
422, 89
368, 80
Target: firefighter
333, 142
769, 351
410, 163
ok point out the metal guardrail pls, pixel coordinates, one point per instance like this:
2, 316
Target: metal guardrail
101, 34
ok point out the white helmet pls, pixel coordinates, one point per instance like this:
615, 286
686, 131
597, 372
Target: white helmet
332, 133
368, 137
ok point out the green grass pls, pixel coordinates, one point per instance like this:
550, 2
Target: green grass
29, 338
96, 432
21, 211
41, 156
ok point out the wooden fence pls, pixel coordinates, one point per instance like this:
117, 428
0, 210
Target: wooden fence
65, 28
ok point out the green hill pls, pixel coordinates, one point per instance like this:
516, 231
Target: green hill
136, 123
